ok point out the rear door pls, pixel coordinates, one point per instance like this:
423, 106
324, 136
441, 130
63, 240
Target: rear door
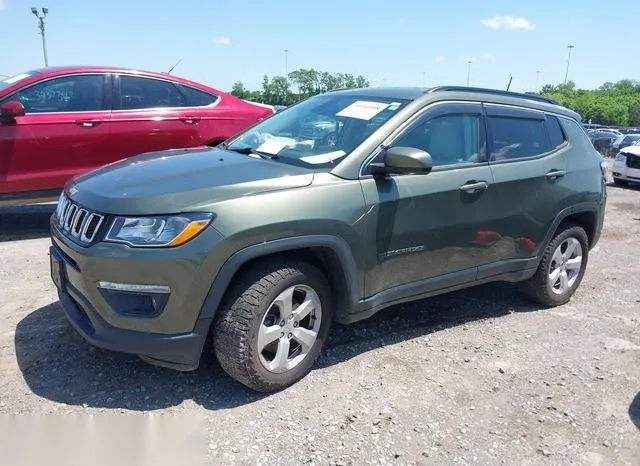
527, 158
64, 132
152, 114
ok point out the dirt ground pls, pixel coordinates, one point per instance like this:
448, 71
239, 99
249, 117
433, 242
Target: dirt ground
475, 377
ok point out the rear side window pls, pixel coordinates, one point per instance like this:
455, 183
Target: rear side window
196, 97
515, 138
576, 136
139, 93
556, 136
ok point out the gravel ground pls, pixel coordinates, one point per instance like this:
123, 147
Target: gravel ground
479, 376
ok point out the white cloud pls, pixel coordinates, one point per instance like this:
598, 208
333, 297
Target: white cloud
483, 56
508, 22
440, 58
486, 56
1, 5
220, 40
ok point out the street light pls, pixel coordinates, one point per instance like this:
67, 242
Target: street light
286, 65
537, 80
468, 72
41, 17
566, 74
424, 75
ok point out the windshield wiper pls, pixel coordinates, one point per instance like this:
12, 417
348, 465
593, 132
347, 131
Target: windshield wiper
247, 150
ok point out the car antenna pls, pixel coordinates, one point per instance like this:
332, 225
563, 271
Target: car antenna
509, 85
173, 67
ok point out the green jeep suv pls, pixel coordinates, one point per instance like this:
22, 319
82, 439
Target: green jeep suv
333, 209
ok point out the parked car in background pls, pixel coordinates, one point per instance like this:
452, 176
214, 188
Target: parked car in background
602, 140
56, 123
625, 140
626, 167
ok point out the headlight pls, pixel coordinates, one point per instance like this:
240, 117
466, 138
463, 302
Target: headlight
158, 231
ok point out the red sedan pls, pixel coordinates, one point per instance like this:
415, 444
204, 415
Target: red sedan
56, 123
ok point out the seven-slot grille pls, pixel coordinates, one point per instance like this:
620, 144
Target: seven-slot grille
77, 221
633, 161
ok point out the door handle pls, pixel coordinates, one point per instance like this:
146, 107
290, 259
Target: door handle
474, 187
555, 174
88, 123
190, 120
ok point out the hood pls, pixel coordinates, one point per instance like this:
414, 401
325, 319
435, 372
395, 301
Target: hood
181, 180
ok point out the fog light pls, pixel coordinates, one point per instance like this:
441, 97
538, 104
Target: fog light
134, 288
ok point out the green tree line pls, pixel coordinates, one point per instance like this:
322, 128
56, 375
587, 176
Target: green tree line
298, 85
612, 104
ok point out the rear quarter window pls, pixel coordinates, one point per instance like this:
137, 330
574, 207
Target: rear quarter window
556, 135
196, 97
577, 136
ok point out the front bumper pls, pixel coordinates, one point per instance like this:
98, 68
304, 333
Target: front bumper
172, 338
621, 171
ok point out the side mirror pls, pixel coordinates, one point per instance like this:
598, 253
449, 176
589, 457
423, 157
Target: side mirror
404, 161
10, 111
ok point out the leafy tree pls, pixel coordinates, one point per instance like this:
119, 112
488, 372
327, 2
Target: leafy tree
238, 90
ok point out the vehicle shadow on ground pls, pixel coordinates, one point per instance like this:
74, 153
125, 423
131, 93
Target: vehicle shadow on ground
28, 222
57, 364
634, 411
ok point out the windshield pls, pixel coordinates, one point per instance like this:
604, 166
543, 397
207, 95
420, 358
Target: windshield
319, 132
9, 81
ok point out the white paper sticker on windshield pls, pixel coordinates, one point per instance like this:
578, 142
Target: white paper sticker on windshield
324, 158
393, 106
15, 79
362, 110
272, 146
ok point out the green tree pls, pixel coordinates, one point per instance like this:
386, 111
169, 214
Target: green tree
238, 90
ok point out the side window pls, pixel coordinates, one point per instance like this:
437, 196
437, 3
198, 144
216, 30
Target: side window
82, 93
576, 135
449, 139
514, 138
196, 97
556, 136
137, 93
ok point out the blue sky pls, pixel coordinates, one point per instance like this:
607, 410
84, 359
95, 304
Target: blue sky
399, 42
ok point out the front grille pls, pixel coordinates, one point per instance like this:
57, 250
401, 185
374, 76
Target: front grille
633, 161
76, 221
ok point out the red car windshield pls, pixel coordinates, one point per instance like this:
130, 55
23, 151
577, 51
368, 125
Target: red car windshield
11, 80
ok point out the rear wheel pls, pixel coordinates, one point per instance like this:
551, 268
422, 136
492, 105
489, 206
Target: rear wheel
562, 267
273, 323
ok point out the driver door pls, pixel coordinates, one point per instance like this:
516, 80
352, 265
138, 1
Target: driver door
63, 132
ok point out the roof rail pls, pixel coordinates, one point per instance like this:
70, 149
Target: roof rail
481, 90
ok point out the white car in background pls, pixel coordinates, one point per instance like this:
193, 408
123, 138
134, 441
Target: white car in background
626, 167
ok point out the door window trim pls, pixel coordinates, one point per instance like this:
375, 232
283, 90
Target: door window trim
117, 95
415, 119
107, 93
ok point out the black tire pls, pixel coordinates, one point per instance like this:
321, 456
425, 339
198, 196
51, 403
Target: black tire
538, 287
619, 182
239, 319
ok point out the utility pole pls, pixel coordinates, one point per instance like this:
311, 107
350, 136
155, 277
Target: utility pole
566, 74
468, 72
41, 17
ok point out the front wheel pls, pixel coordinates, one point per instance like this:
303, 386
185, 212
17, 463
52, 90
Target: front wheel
619, 182
273, 323
561, 269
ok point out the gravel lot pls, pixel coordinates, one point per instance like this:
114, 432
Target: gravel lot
480, 376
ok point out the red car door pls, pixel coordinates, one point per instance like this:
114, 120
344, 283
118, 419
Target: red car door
65, 131
149, 115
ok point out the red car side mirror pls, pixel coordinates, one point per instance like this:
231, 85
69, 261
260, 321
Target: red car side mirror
10, 111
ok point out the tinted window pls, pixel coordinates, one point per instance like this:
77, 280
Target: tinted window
449, 139
197, 98
556, 136
577, 136
148, 93
514, 138
81, 93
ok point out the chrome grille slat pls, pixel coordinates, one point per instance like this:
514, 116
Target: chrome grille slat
77, 221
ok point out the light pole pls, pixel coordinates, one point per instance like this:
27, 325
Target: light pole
537, 80
566, 74
286, 64
41, 18
424, 75
468, 72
